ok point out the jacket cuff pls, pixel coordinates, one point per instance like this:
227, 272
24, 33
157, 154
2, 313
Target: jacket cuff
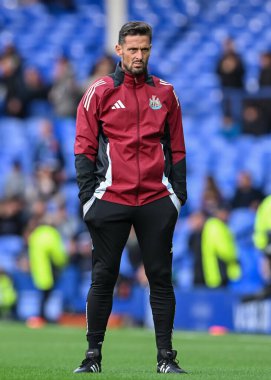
84, 198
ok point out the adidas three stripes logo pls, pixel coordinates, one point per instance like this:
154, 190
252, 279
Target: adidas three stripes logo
118, 104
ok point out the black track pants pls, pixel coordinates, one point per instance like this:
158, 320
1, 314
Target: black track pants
109, 225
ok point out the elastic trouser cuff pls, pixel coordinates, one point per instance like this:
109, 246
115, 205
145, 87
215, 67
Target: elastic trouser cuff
95, 340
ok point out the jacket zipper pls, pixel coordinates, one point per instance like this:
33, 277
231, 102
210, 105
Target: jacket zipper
138, 141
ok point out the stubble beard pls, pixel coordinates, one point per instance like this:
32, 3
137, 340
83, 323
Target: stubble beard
133, 70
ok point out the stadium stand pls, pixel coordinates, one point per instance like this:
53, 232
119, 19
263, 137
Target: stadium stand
184, 54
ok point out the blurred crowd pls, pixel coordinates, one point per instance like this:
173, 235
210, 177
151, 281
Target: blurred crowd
33, 200
34, 209
22, 86
244, 112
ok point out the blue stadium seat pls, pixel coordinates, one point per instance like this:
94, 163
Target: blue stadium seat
242, 224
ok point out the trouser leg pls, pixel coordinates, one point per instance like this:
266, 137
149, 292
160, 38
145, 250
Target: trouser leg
154, 225
109, 226
45, 294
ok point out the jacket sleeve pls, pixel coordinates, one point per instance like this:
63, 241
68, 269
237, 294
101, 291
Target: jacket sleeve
86, 145
177, 145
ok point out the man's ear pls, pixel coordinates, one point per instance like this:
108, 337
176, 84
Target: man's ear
118, 50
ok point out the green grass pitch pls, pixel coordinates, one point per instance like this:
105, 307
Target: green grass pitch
54, 351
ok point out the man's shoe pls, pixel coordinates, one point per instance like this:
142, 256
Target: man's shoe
167, 362
92, 362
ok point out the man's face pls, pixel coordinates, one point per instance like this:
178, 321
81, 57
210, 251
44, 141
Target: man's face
134, 53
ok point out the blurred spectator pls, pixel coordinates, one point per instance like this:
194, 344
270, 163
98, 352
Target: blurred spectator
47, 257
44, 184
67, 225
12, 216
132, 268
141, 277
254, 121
11, 79
21, 85
265, 70
134, 256
230, 67
262, 240
65, 93
196, 222
48, 159
60, 5
246, 195
48, 151
80, 252
15, 183
211, 196
105, 65
230, 128
36, 212
8, 296
214, 249
34, 88
230, 70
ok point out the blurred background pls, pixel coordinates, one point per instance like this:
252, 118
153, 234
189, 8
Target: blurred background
217, 54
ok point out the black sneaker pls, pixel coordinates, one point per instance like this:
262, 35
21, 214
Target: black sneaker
167, 362
92, 363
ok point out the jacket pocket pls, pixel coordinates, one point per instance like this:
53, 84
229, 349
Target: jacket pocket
176, 202
88, 205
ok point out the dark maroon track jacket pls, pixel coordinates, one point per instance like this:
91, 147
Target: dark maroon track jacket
129, 145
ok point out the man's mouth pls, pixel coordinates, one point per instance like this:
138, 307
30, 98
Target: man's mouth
138, 63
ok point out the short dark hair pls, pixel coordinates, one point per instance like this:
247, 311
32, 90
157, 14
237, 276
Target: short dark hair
134, 28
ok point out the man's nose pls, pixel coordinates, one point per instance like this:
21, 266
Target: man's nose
139, 54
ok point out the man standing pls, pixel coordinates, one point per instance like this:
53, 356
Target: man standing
131, 171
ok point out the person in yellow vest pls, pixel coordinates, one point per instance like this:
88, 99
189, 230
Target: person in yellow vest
47, 257
214, 249
262, 238
219, 253
8, 295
